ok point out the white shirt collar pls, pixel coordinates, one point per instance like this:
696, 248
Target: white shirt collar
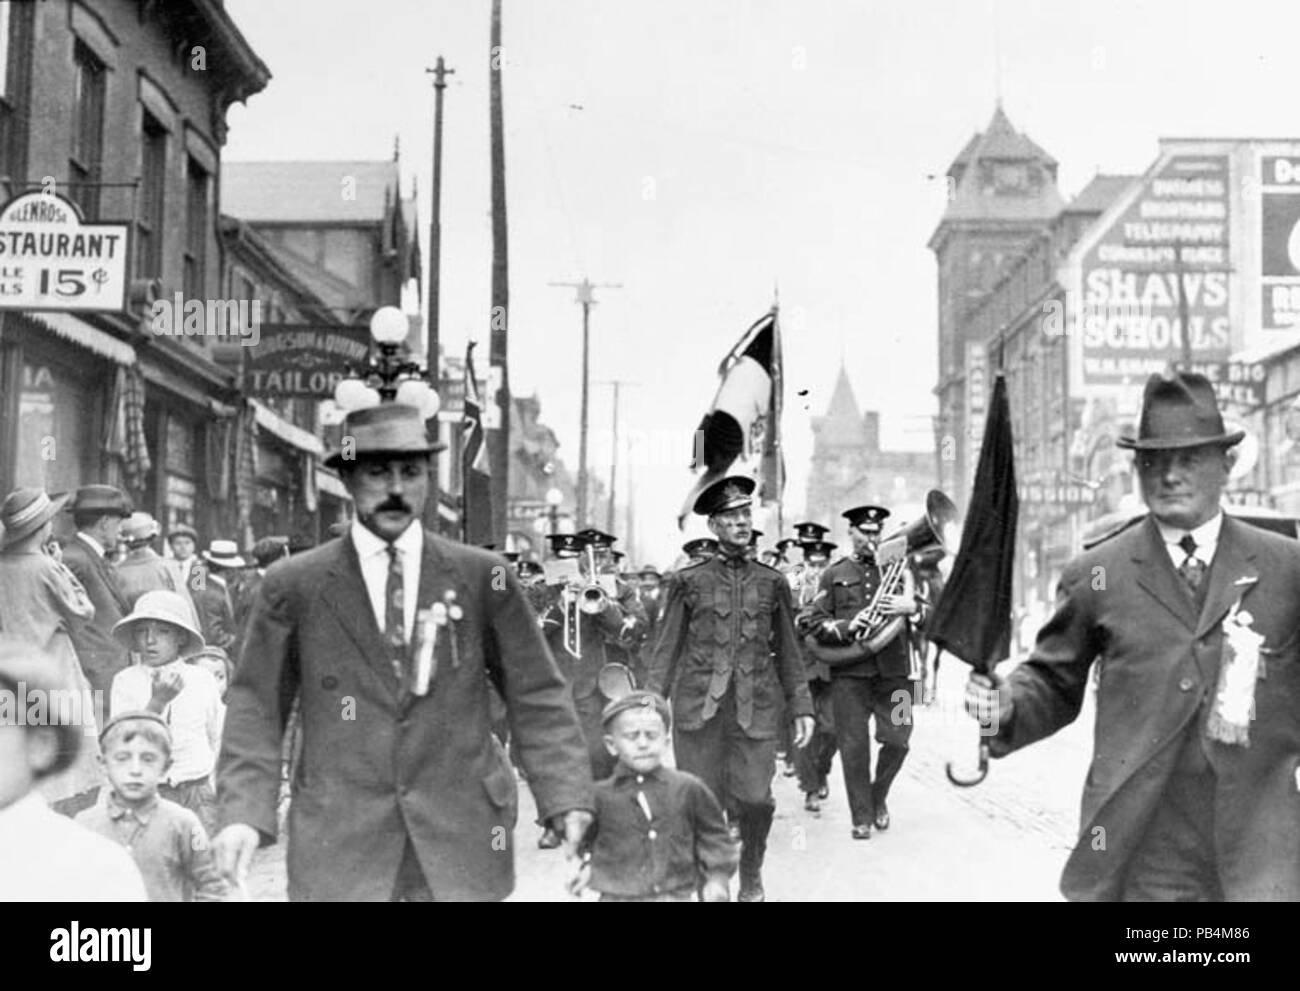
369, 544
1206, 536
94, 544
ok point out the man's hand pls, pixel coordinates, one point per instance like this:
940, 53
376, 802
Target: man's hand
803, 730
166, 686
572, 827
989, 700
899, 605
714, 891
233, 849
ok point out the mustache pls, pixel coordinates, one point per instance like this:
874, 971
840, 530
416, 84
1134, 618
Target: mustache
393, 504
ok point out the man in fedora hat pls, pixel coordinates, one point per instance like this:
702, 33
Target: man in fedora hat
97, 513
726, 654
210, 589
389, 636
143, 569
1194, 622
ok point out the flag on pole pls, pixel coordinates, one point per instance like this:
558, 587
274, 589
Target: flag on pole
973, 618
476, 508
740, 434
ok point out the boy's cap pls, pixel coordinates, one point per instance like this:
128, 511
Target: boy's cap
183, 530
212, 650
166, 607
130, 714
25, 665
637, 700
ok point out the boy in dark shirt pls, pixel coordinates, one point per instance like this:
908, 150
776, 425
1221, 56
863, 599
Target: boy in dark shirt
659, 834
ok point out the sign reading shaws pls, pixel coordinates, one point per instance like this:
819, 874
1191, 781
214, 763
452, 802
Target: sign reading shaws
1129, 315
51, 260
296, 360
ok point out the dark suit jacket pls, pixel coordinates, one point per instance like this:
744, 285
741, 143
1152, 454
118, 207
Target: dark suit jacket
379, 766
100, 655
211, 597
1123, 604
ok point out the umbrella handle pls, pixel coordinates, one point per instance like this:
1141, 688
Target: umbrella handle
983, 770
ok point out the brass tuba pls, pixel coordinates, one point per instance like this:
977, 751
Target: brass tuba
873, 629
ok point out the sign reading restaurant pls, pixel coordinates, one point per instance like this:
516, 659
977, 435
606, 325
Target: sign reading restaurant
300, 360
1130, 315
50, 259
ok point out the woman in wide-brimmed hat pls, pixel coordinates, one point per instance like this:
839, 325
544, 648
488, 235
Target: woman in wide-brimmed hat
41, 601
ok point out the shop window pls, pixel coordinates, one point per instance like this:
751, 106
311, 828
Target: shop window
149, 227
56, 445
15, 80
180, 488
196, 230
88, 130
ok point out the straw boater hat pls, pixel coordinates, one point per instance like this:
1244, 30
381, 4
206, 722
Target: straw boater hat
139, 528
1179, 410
24, 666
390, 428
27, 510
224, 554
166, 607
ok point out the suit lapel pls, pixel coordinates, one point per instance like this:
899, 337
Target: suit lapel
344, 591
107, 575
1233, 560
1156, 575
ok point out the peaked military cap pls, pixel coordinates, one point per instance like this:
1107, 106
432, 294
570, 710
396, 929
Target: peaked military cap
814, 548
700, 545
869, 518
529, 569
808, 532
753, 537
597, 538
565, 544
732, 492
784, 544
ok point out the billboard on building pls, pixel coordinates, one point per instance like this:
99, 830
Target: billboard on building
1279, 227
1130, 317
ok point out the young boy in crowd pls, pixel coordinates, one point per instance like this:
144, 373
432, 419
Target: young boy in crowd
659, 834
167, 842
45, 856
160, 629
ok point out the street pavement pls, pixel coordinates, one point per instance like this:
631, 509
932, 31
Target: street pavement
1003, 840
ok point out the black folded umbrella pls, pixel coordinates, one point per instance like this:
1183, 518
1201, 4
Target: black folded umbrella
973, 618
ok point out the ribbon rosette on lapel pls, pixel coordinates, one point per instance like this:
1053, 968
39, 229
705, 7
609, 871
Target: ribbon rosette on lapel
428, 623
1234, 696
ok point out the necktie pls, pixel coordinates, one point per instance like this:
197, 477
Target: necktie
1192, 570
394, 616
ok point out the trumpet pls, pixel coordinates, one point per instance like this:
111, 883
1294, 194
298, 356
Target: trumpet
581, 597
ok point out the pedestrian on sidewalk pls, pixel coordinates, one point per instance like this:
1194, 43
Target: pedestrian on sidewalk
659, 834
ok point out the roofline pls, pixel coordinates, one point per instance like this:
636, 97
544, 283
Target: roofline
254, 70
244, 235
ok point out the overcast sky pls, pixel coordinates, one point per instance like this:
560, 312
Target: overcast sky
701, 153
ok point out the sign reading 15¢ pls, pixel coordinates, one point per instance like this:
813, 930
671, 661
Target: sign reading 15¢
51, 260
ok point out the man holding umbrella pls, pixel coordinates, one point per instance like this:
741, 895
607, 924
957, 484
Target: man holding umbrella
1192, 617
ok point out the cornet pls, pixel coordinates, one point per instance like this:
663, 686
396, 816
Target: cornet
581, 597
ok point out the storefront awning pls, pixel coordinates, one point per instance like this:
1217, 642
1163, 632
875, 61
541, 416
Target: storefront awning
293, 435
79, 332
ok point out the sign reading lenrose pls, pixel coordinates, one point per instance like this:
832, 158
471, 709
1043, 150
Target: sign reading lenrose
297, 360
1130, 314
51, 260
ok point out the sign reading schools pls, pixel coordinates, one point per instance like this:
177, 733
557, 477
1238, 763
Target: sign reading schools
1130, 314
298, 360
51, 260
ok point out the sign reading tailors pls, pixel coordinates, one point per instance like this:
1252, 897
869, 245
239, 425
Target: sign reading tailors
51, 260
1130, 313
1279, 225
297, 360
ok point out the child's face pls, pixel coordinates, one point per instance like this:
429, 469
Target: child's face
216, 667
638, 738
157, 642
134, 767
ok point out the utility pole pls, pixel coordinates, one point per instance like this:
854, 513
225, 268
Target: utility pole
613, 455
587, 301
499, 439
432, 516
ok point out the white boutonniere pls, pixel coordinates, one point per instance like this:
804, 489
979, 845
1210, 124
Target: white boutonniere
1234, 696
429, 621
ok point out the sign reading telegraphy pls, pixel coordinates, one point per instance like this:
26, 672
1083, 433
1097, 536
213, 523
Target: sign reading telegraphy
297, 360
1130, 304
51, 260
1279, 227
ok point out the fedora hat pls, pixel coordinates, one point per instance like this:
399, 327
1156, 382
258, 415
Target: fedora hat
105, 499
27, 510
1179, 410
224, 554
390, 428
25, 667
166, 607
139, 527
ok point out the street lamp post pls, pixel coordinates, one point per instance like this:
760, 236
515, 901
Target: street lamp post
389, 377
554, 497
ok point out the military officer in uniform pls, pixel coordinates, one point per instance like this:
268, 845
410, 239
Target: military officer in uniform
813, 762
871, 688
699, 549
725, 656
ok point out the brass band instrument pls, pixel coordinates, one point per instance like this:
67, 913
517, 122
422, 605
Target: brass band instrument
578, 597
873, 630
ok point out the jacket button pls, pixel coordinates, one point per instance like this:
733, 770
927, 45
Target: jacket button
329, 683
1186, 685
